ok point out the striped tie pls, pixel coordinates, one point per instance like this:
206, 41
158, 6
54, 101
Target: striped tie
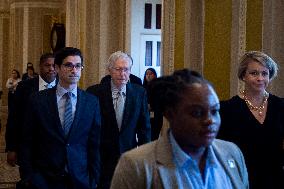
119, 108
68, 118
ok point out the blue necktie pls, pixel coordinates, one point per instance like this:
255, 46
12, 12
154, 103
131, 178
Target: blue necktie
68, 118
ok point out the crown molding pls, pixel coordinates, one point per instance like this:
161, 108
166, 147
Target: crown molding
52, 5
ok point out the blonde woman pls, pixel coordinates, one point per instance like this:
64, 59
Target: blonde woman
254, 120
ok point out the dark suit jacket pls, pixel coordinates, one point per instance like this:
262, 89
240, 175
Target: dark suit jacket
17, 114
46, 152
135, 79
135, 121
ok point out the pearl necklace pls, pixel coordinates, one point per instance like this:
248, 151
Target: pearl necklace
260, 108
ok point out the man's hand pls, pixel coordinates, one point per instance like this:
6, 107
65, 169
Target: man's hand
12, 158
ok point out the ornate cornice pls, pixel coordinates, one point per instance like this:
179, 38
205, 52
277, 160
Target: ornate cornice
52, 5
4, 13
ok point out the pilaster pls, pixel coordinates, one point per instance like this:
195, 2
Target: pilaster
273, 40
238, 43
4, 51
98, 28
168, 37
194, 35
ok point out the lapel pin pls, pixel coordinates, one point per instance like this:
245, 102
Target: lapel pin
231, 163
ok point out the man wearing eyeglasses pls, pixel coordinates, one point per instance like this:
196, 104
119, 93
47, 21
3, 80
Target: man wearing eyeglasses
60, 146
125, 116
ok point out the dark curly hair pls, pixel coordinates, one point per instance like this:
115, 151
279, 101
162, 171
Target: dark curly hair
166, 92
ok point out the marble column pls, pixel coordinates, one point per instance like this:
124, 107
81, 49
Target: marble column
194, 35
168, 37
273, 40
238, 43
4, 49
98, 28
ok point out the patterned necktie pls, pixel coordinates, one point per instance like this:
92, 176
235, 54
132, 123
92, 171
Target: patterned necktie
119, 108
68, 118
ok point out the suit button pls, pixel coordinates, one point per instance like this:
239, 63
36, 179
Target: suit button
67, 144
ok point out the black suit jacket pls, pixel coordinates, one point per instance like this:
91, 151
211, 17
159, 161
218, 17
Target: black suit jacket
136, 122
17, 114
46, 151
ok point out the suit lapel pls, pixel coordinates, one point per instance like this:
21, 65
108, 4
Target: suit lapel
107, 103
81, 100
36, 84
130, 93
230, 166
166, 168
54, 114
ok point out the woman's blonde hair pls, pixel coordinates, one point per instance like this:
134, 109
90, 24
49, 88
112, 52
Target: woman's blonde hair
260, 57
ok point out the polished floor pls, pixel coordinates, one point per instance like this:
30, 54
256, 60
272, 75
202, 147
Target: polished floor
8, 175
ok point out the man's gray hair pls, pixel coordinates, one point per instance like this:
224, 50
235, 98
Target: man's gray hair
117, 55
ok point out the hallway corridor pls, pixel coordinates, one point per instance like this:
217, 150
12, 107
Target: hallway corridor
8, 175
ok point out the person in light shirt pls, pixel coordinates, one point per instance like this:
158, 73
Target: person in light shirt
61, 131
188, 156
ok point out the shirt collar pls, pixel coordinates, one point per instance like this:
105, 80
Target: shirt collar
182, 159
43, 83
115, 90
60, 91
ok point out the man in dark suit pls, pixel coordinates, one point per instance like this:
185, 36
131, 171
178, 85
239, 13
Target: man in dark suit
129, 130
24, 89
61, 135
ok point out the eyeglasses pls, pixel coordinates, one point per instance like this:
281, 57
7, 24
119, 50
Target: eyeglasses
255, 73
70, 66
125, 70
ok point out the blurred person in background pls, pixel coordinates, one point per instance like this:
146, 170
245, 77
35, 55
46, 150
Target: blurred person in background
11, 85
156, 116
30, 72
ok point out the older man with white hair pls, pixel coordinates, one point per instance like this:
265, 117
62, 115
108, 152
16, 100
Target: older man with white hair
125, 115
